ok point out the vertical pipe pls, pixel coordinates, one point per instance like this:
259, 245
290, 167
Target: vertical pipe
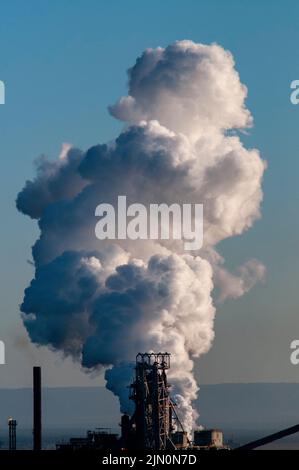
156, 412
37, 409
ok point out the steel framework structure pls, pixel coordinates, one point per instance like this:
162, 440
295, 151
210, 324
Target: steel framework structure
12, 426
154, 410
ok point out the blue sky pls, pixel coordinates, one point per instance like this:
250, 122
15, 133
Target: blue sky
63, 62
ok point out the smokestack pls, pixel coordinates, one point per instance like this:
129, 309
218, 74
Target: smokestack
37, 409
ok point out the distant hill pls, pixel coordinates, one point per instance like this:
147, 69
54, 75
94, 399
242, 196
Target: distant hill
254, 406
62, 407
250, 406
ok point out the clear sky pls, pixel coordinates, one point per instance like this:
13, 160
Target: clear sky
63, 62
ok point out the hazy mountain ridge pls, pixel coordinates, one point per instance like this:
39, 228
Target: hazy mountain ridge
249, 406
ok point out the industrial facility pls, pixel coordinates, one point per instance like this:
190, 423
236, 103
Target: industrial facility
154, 425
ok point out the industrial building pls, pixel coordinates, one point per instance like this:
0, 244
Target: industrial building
208, 438
100, 439
155, 424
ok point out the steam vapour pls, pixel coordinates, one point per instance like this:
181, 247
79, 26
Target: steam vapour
102, 302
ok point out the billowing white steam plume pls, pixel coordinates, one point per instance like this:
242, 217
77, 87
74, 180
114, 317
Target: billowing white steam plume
102, 302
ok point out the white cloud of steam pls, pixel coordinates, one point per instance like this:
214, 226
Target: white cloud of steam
235, 285
55, 181
104, 302
189, 88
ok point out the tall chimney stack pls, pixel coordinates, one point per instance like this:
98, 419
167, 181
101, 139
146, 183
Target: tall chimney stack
37, 409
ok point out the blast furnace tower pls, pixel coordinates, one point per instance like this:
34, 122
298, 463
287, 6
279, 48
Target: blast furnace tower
154, 420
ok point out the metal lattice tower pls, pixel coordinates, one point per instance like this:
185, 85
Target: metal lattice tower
12, 426
153, 406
